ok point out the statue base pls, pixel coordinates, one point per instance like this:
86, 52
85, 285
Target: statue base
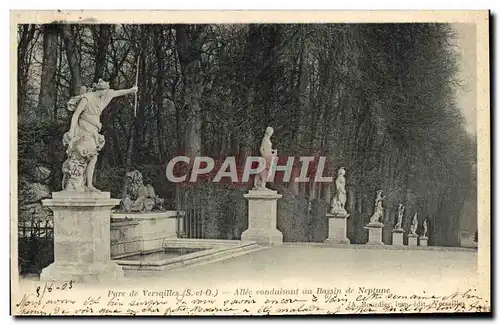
412, 240
374, 233
423, 240
81, 237
262, 212
397, 237
337, 228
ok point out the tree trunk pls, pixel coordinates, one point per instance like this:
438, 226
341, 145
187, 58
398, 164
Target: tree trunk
72, 56
128, 161
102, 47
351, 207
160, 88
299, 106
189, 42
26, 35
47, 94
58, 76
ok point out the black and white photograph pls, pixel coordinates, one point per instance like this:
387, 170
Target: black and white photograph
178, 164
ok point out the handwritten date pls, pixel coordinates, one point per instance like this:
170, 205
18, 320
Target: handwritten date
49, 286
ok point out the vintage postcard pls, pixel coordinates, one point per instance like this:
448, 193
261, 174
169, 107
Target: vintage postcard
250, 163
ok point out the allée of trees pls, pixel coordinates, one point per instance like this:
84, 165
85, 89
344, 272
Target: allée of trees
377, 99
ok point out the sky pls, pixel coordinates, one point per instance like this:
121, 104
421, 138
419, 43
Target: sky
466, 95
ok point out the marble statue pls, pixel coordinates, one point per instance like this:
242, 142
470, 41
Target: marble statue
414, 225
401, 211
268, 153
425, 228
340, 198
139, 197
83, 139
379, 209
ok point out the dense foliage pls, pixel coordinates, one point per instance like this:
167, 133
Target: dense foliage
377, 99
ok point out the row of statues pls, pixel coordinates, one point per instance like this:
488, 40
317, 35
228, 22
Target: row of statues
339, 199
84, 142
414, 222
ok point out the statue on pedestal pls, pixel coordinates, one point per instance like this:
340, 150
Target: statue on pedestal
401, 211
338, 201
83, 139
425, 228
414, 225
379, 209
268, 153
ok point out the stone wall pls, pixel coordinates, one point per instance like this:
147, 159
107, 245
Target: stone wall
141, 232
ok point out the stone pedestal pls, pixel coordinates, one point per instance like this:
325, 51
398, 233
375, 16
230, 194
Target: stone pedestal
152, 228
397, 237
81, 238
412, 240
423, 240
262, 213
337, 228
124, 241
374, 233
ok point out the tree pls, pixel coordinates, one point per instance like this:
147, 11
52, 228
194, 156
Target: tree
377, 99
189, 42
67, 33
26, 36
46, 101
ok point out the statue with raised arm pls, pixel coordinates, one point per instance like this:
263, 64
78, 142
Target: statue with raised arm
379, 209
414, 225
268, 153
401, 211
83, 139
340, 198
